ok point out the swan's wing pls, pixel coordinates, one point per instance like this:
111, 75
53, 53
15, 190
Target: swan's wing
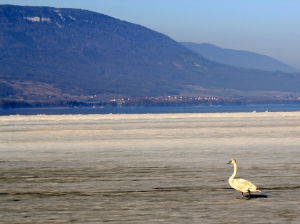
243, 185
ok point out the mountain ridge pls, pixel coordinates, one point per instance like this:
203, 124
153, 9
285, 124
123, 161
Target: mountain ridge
239, 58
51, 53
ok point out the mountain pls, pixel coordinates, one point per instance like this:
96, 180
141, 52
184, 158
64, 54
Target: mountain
238, 58
49, 53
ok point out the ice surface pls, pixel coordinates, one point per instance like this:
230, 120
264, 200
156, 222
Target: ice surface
149, 168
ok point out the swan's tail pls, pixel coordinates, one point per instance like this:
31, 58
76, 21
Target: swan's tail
261, 192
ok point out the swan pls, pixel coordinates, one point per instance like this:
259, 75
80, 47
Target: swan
240, 184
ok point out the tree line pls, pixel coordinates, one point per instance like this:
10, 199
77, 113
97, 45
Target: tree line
12, 104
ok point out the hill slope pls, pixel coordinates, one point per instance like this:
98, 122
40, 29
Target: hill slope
244, 59
75, 54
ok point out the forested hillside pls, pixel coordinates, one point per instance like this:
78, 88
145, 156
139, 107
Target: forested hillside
49, 53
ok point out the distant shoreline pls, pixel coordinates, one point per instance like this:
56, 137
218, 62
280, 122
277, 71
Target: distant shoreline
152, 110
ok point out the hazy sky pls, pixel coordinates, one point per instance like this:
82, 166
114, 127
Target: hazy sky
269, 27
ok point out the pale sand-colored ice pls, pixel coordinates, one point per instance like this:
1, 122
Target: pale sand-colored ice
148, 168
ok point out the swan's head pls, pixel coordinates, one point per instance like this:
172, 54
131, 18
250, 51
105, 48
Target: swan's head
232, 161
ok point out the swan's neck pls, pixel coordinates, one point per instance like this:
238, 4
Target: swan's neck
234, 172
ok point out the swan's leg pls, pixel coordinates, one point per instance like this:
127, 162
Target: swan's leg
249, 195
242, 197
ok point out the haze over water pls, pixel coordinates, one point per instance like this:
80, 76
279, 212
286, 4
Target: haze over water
149, 168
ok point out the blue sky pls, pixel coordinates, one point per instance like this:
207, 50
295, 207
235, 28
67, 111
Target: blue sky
269, 27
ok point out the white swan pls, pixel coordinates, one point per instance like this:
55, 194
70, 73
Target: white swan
240, 184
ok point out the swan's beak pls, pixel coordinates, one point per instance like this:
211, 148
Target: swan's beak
229, 162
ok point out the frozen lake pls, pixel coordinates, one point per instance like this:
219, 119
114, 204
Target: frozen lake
149, 168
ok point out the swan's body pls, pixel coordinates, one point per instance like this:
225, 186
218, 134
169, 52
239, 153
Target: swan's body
241, 185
